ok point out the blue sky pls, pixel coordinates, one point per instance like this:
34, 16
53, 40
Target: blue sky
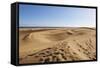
36, 15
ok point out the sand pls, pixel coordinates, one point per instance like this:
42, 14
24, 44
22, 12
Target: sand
56, 44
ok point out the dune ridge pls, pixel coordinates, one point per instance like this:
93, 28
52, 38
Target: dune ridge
57, 45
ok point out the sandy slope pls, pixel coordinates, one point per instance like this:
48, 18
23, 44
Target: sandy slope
55, 45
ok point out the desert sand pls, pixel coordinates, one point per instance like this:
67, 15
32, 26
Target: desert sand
56, 44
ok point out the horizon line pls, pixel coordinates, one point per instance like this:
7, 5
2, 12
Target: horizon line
51, 26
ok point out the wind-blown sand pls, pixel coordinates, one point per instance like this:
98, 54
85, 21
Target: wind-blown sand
56, 45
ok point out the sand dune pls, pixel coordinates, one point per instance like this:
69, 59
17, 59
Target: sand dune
56, 45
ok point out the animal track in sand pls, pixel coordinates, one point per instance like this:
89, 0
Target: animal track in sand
60, 52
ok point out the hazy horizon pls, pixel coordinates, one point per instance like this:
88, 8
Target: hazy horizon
48, 16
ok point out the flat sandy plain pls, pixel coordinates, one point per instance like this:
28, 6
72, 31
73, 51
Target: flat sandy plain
40, 45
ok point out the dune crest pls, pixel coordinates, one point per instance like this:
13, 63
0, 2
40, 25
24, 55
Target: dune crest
57, 45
